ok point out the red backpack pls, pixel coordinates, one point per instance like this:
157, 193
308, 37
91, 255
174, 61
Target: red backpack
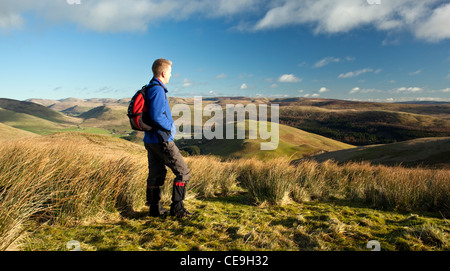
138, 111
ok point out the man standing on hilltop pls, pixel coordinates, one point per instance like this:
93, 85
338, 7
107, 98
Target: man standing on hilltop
161, 149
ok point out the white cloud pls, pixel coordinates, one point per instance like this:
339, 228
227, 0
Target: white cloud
212, 93
243, 86
274, 86
11, 21
408, 90
289, 78
436, 27
323, 89
358, 73
364, 91
315, 95
187, 82
421, 99
427, 20
350, 58
354, 90
118, 15
326, 61
221, 76
415, 73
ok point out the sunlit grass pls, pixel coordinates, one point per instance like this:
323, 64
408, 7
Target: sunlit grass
75, 182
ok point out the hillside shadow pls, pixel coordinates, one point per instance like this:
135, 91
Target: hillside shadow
133, 214
241, 198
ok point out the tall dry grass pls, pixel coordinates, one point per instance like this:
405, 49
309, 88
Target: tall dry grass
209, 178
393, 188
65, 182
267, 181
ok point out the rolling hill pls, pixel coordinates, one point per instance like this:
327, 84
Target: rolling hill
35, 110
427, 152
307, 126
75, 106
353, 122
33, 117
40, 119
293, 143
109, 117
31, 123
365, 126
7, 132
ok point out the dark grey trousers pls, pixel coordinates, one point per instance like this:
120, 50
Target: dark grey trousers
159, 156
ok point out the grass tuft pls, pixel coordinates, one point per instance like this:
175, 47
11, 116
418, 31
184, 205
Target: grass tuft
69, 180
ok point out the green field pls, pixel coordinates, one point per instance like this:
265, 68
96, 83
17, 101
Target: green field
30, 123
233, 223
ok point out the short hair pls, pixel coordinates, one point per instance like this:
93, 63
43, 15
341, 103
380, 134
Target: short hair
160, 65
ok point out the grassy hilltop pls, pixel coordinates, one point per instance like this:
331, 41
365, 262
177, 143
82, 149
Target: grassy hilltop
428, 152
90, 188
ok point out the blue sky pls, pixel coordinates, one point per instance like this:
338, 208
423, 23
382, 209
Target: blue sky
349, 49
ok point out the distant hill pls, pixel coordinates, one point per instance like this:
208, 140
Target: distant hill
423, 102
33, 109
105, 113
353, 122
75, 111
293, 143
75, 106
429, 152
417, 108
368, 126
101, 112
31, 123
44, 102
107, 117
356, 123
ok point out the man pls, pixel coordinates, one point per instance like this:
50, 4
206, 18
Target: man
161, 150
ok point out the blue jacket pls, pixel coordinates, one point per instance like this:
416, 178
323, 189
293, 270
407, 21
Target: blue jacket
160, 114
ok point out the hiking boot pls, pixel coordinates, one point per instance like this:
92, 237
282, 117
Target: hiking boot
157, 210
178, 210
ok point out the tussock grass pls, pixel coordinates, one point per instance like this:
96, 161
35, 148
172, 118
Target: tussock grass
67, 179
389, 188
269, 181
211, 177
62, 183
